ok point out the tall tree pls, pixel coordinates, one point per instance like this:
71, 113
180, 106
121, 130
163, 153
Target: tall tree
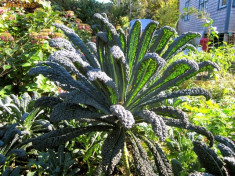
166, 12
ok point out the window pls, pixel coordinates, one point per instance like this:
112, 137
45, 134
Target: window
203, 5
233, 3
186, 17
222, 3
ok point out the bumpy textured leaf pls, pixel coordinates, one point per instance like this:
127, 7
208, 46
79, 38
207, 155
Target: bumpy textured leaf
230, 164
132, 43
68, 111
7, 109
158, 125
110, 29
92, 47
171, 112
184, 47
200, 130
49, 102
62, 43
161, 38
207, 65
74, 63
226, 141
178, 69
226, 151
112, 150
203, 131
140, 159
178, 43
227, 148
109, 119
57, 73
105, 16
60, 136
200, 174
103, 36
11, 135
24, 101
162, 163
109, 64
209, 159
78, 97
105, 83
175, 94
42, 125
189, 47
7, 100
126, 118
72, 56
77, 41
229, 158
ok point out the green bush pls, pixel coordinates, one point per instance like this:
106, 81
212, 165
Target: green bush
84, 9
224, 56
24, 42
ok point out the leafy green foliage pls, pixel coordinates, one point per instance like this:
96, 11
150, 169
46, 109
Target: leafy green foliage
21, 110
23, 52
14, 172
20, 120
85, 9
114, 98
216, 116
223, 56
164, 11
55, 163
24, 42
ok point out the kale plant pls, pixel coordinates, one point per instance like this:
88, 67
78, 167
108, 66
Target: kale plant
11, 172
210, 160
9, 138
21, 110
54, 163
18, 122
13, 108
117, 83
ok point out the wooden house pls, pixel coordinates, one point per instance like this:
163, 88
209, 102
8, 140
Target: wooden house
222, 12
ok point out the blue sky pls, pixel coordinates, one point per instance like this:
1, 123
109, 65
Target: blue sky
103, 1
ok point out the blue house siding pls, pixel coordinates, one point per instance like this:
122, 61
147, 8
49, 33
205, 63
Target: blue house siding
218, 16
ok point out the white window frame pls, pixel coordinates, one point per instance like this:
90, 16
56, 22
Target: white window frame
221, 4
187, 4
203, 5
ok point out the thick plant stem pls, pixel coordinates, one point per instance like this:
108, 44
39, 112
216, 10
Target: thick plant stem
126, 162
